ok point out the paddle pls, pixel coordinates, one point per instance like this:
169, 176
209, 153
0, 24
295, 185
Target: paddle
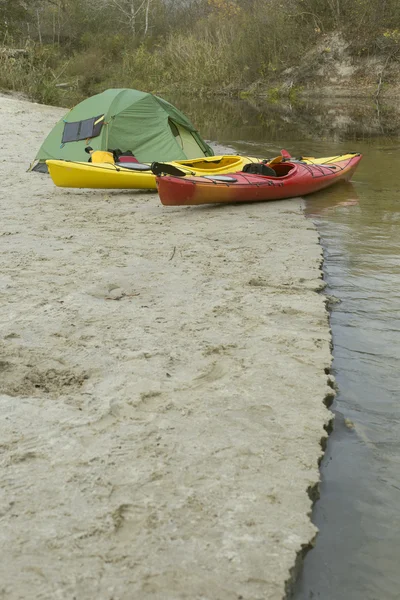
284, 155
160, 168
274, 161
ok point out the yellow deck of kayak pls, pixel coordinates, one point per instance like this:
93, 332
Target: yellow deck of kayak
109, 176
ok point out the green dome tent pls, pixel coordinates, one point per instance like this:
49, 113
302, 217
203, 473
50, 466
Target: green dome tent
123, 119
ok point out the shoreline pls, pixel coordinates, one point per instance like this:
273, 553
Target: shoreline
164, 379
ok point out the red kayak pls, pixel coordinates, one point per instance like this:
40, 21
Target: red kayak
292, 178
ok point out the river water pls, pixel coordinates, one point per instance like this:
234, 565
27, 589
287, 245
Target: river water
357, 551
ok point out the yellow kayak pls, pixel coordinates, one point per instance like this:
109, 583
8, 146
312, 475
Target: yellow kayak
113, 176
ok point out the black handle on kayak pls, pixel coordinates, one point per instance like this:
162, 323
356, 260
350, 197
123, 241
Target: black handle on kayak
159, 168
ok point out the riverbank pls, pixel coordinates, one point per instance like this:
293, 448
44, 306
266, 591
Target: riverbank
163, 386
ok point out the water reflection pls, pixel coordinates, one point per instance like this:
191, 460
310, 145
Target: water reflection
235, 121
357, 553
342, 197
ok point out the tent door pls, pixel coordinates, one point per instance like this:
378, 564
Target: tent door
185, 140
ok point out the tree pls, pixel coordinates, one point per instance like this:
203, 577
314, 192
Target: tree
12, 13
130, 13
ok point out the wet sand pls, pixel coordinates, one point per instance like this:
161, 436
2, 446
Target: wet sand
162, 388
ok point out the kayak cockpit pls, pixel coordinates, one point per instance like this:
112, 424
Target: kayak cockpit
282, 169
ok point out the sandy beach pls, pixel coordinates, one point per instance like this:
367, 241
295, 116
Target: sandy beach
163, 376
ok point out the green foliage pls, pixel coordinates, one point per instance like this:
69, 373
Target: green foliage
201, 46
12, 12
32, 74
140, 69
273, 95
294, 94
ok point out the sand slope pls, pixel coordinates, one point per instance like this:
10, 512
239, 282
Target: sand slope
162, 385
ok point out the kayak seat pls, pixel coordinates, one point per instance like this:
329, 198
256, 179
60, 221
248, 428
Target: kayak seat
259, 169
